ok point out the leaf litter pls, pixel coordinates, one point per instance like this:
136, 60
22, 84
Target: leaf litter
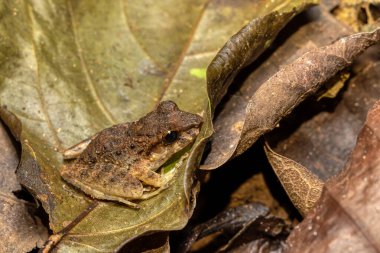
38, 122
290, 86
346, 216
21, 230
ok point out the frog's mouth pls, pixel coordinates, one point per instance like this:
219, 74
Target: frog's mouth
189, 136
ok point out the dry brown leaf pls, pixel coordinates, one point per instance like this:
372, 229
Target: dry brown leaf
312, 29
303, 187
346, 218
281, 93
226, 223
296, 81
20, 231
247, 45
324, 140
264, 234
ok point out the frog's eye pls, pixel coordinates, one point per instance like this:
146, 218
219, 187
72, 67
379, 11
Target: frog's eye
170, 137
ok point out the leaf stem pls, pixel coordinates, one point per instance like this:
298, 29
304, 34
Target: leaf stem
56, 238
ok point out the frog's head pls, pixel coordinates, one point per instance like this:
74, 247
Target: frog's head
169, 130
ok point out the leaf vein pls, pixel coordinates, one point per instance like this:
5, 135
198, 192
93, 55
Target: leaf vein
114, 231
125, 18
38, 84
83, 63
89, 246
174, 69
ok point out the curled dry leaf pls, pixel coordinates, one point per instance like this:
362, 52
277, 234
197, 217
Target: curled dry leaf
298, 80
281, 93
246, 46
264, 234
228, 223
20, 230
323, 143
243, 48
306, 30
346, 218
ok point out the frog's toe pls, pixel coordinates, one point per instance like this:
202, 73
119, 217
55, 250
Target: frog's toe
148, 195
147, 176
129, 203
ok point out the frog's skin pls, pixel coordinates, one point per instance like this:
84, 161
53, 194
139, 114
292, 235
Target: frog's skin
119, 162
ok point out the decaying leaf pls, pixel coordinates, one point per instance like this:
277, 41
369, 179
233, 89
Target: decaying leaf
246, 46
20, 230
227, 223
242, 49
245, 228
281, 93
265, 234
357, 14
303, 187
346, 218
323, 143
229, 120
288, 87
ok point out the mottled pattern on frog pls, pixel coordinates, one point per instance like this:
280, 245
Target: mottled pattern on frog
121, 160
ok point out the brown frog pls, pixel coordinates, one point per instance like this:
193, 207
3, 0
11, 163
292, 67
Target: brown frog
120, 163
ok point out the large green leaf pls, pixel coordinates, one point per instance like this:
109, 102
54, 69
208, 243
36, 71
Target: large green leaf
71, 68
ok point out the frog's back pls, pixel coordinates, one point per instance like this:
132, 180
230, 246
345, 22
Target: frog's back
104, 166
110, 145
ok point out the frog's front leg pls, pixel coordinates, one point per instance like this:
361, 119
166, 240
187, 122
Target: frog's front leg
152, 178
147, 176
77, 149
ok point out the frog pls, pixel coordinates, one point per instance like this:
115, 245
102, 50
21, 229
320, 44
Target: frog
121, 163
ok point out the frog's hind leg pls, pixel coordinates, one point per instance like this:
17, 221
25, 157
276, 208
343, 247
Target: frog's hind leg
98, 182
77, 149
100, 195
